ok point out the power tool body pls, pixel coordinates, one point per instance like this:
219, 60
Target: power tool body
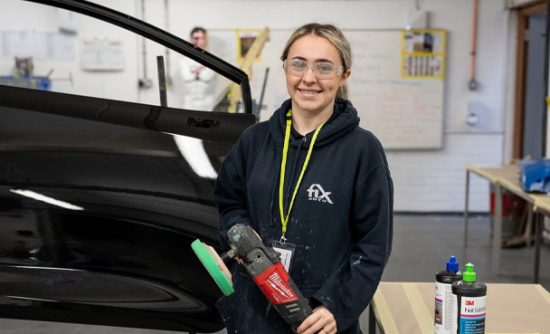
265, 268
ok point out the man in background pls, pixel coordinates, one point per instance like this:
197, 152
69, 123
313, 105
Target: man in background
198, 81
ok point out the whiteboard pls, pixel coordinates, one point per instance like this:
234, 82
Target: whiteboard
403, 113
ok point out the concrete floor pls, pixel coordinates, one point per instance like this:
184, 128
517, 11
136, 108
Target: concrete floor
422, 244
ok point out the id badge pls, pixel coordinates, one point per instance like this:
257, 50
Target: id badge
286, 252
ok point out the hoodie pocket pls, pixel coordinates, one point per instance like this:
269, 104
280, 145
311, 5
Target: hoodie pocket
308, 290
231, 307
245, 310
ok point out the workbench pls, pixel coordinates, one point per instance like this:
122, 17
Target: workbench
408, 308
506, 178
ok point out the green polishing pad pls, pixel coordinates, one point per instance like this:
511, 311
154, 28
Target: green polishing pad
214, 265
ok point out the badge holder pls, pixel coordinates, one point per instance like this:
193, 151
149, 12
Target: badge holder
286, 251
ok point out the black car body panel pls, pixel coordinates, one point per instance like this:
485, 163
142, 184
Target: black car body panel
119, 254
218, 126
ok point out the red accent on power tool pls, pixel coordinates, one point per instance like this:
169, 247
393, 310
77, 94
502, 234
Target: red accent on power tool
274, 284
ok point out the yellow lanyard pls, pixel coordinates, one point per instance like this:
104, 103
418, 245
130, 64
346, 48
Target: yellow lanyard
284, 218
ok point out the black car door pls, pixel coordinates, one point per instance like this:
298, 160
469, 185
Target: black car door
101, 196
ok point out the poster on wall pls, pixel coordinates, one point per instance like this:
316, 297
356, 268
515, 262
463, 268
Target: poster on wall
102, 54
423, 54
40, 45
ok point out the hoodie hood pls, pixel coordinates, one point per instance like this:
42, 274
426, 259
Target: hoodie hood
344, 119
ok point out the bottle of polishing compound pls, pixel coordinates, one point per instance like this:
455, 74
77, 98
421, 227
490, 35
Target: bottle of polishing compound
469, 303
444, 296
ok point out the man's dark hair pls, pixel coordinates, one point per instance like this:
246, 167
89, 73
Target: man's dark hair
197, 29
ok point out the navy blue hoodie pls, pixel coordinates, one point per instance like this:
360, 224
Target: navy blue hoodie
341, 220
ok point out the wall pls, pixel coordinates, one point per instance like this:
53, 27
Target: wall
425, 180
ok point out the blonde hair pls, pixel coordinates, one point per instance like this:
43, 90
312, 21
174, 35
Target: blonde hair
331, 34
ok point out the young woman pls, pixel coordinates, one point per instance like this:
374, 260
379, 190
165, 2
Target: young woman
312, 182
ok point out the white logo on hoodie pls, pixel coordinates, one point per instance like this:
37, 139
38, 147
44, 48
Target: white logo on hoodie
316, 193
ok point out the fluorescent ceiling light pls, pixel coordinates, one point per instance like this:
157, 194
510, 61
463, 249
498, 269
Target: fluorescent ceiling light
46, 199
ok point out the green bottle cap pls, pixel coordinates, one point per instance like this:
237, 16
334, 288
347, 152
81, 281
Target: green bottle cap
469, 275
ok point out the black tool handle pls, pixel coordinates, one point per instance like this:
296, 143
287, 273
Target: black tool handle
294, 313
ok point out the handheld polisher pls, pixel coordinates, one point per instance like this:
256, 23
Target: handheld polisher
264, 267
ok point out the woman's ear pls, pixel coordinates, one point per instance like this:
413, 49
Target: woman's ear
345, 76
347, 73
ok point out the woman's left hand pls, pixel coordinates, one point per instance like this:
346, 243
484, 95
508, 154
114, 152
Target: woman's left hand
321, 321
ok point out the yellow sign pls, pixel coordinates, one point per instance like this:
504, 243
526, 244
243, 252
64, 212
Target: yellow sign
423, 54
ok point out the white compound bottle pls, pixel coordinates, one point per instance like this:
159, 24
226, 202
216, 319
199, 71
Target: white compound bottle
443, 315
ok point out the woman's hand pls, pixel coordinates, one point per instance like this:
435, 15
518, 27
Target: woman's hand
321, 321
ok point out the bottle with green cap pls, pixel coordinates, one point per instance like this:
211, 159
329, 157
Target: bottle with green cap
444, 296
469, 303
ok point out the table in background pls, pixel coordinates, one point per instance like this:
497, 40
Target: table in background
408, 308
507, 178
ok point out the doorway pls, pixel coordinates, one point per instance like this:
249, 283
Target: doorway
530, 106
